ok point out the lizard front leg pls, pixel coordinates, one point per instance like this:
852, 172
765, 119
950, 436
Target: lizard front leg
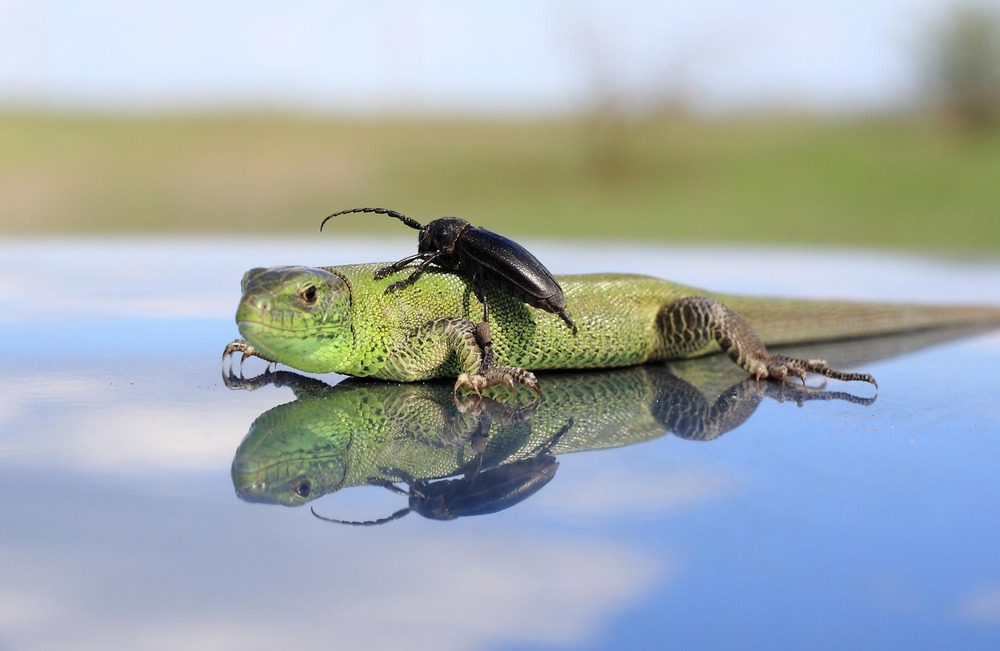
245, 350
432, 346
490, 373
690, 324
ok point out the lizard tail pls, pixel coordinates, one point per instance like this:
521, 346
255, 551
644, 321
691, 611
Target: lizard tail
794, 321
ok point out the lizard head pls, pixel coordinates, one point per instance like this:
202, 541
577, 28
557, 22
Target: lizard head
298, 451
299, 316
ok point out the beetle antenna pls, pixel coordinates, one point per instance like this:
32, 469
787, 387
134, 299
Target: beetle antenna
363, 523
412, 223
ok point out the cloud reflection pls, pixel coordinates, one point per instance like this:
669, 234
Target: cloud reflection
72, 421
429, 591
981, 606
616, 490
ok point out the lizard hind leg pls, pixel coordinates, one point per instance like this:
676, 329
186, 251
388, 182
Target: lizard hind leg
688, 326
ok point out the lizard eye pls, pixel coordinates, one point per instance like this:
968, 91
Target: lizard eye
303, 488
309, 294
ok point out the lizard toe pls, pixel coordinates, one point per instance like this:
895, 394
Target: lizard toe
474, 383
778, 372
797, 372
507, 376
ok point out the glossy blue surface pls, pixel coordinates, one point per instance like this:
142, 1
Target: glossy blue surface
831, 525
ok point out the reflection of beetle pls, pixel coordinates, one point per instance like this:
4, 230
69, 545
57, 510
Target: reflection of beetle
480, 493
479, 254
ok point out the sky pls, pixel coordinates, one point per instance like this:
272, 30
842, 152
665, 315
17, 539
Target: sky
449, 56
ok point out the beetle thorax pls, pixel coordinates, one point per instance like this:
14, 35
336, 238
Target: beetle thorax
441, 235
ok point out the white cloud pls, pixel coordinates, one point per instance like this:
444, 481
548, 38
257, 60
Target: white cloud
981, 606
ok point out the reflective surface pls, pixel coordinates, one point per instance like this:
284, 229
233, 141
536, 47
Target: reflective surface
832, 523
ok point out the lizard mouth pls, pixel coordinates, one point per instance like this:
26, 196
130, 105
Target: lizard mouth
250, 329
256, 331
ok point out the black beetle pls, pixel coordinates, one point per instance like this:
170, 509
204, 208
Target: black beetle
479, 254
479, 493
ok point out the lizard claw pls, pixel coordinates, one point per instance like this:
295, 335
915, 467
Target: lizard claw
245, 350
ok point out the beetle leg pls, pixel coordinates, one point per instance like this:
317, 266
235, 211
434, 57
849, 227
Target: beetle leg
484, 341
483, 337
412, 278
391, 487
477, 289
388, 270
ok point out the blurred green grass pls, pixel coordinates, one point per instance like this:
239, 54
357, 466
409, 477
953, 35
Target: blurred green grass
784, 179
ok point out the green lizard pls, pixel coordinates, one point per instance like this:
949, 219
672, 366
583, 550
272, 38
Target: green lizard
340, 320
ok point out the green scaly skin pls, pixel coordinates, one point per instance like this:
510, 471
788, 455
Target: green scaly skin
339, 319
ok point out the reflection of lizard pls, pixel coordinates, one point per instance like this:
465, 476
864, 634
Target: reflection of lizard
369, 433
339, 319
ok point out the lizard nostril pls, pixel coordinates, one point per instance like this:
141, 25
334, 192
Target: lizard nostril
260, 303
